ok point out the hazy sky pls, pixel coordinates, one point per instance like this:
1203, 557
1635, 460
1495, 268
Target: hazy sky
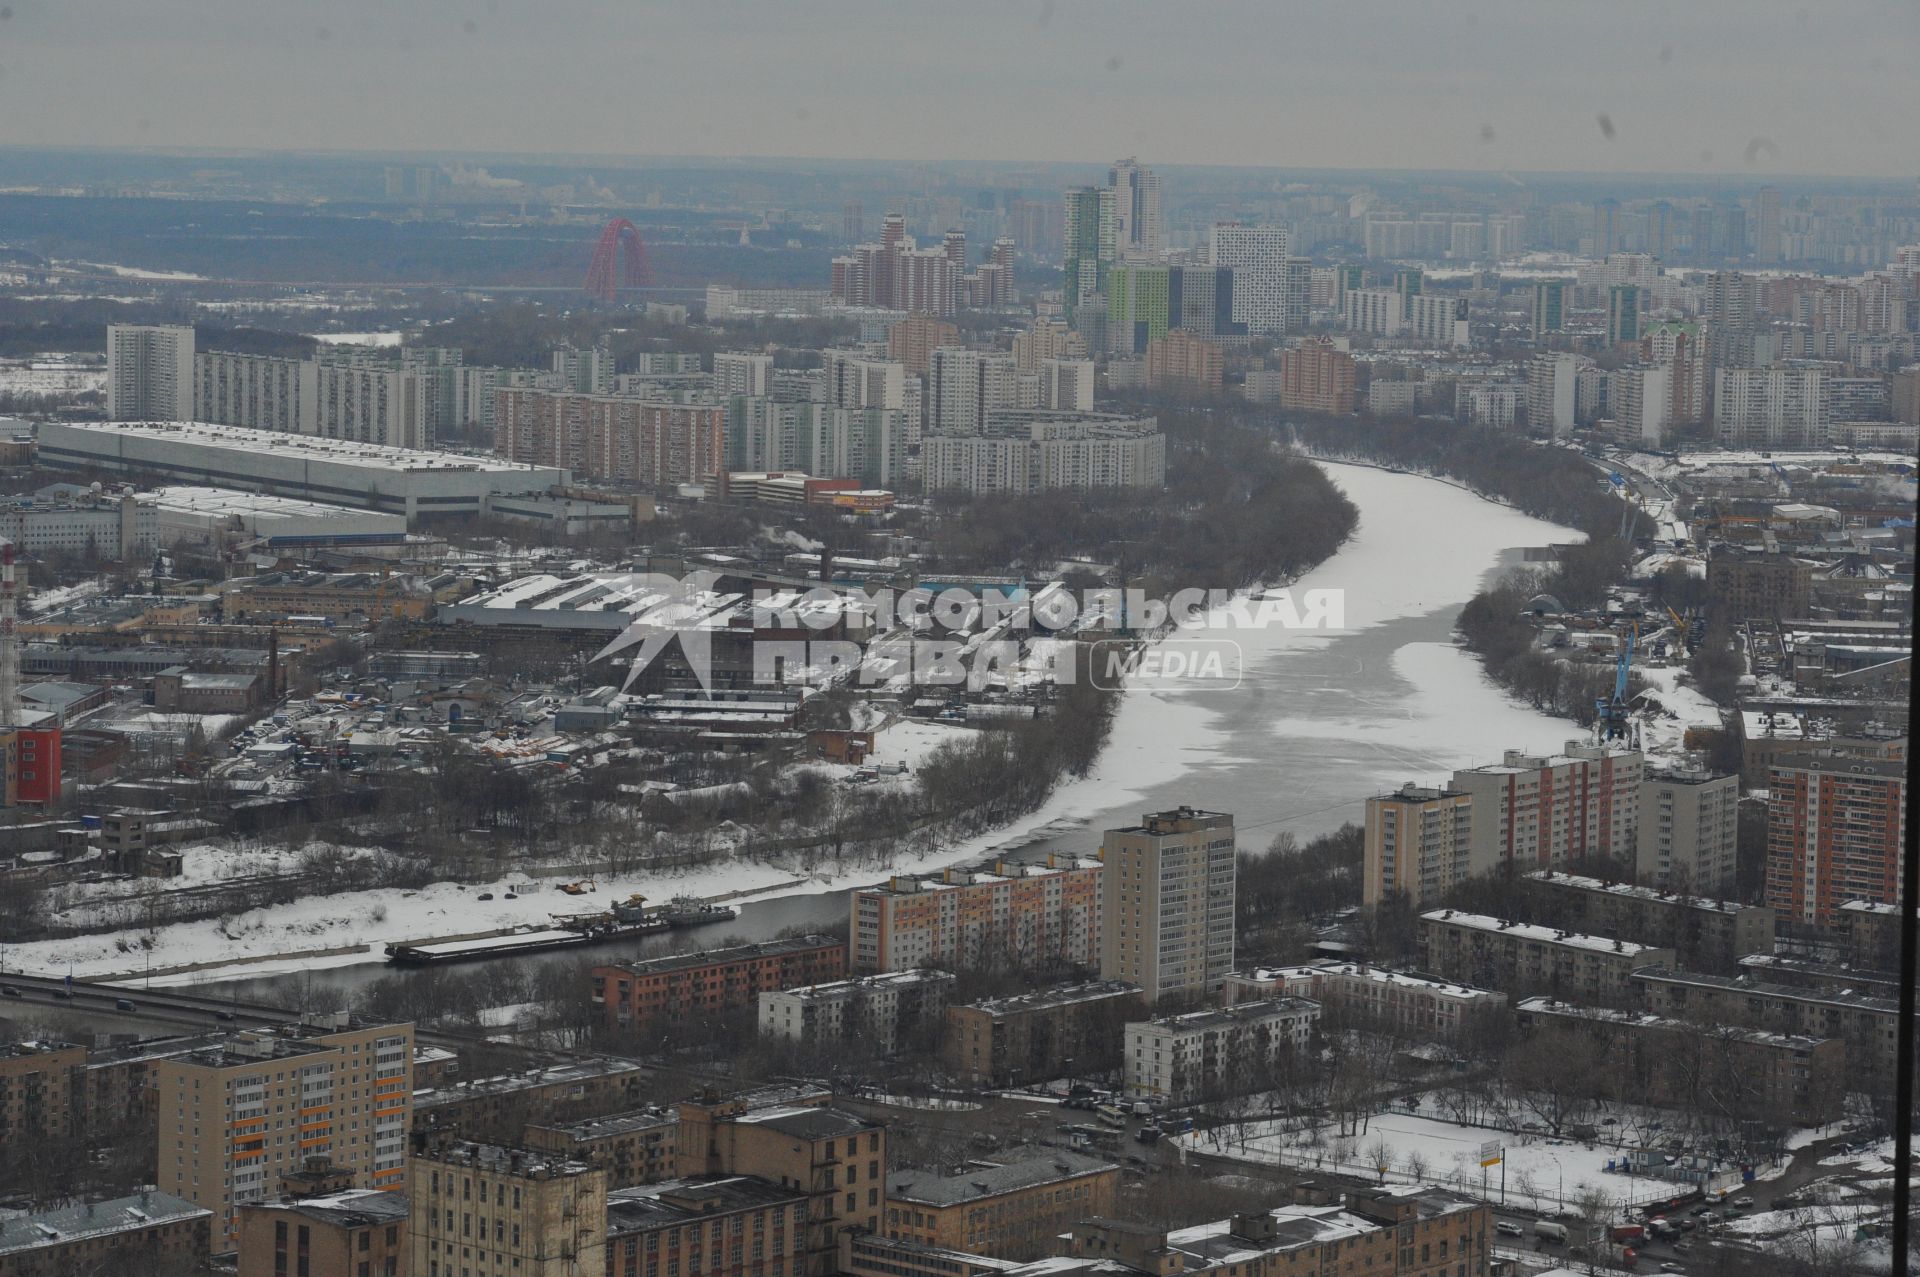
1828, 86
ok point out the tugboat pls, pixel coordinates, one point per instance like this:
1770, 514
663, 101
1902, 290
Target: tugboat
691, 911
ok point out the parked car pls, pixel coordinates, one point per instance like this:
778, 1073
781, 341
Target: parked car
124, 1004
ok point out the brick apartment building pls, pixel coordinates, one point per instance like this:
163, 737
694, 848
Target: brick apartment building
1835, 828
642, 996
358, 1233
1020, 916
1011, 1208
1522, 957
1003, 1041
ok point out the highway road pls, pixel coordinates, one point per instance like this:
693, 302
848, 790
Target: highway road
168, 1009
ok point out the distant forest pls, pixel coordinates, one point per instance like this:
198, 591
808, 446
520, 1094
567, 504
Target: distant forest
288, 243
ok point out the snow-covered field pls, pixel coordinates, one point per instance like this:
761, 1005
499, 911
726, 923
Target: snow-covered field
388, 338
1539, 1173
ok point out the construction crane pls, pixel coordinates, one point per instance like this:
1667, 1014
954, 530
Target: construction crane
1611, 715
1679, 626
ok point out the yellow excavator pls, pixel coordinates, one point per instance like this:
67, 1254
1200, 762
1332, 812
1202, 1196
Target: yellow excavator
580, 888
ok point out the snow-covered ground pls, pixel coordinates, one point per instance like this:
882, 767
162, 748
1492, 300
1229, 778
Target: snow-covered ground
388, 338
1437, 712
1539, 1173
1675, 705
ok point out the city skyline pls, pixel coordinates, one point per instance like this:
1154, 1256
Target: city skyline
1507, 89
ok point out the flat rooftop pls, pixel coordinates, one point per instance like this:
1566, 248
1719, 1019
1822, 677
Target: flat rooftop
1532, 931
990, 1179
229, 501
352, 452
67, 1225
739, 953
1066, 995
1627, 890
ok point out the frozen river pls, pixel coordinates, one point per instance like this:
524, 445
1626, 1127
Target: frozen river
1319, 721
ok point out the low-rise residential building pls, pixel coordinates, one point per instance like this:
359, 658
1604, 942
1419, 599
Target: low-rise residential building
149, 1231
39, 1081
1706, 934
1043, 1034
739, 1225
1015, 915
1182, 1059
359, 1231
863, 1256
885, 1011
1409, 1231
1869, 1025
641, 996
1012, 1207
489, 1209
633, 1148
838, 1159
1726, 1071
1371, 994
499, 1107
1522, 957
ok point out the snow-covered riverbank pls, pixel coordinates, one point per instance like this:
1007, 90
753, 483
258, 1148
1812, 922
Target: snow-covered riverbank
1323, 719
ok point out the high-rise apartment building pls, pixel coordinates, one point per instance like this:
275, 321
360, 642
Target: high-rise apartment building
236, 1116
1641, 401
609, 437
1766, 226
912, 341
1268, 296
1380, 311
1770, 407
372, 403
1167, 899
1689, 829
1623, 315
481, 1208
741, 373
1066, 384
963, 386
1090, 246
1549, 307
1440, 318
1012, 915
1136, 209
1547, 811
1835, 830
1552, 394
857, 382
260, 392
1034, 450
149, 372
1137, 306
1417, 843
1044, 339
1317, 376
1185, 364
585, 372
